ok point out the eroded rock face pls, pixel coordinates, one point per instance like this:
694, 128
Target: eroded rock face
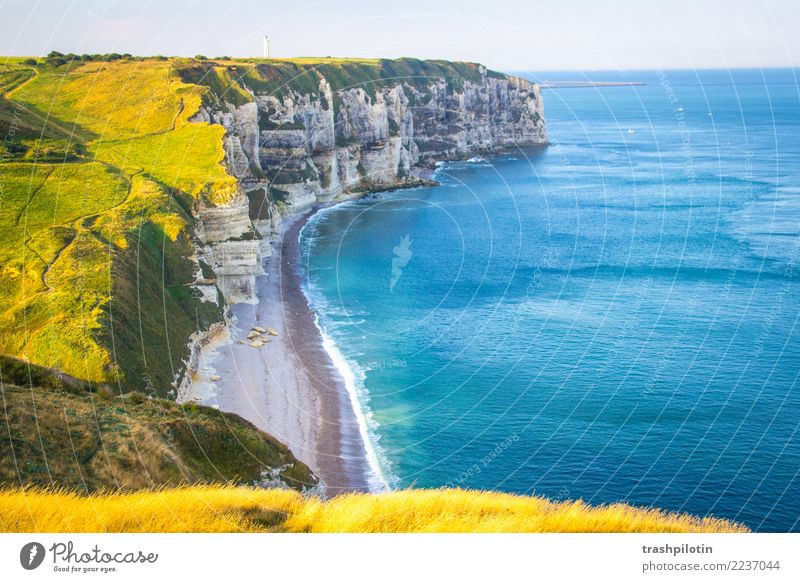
236, 264
222, 223
231, 246
303, 149
334, 142
241, 135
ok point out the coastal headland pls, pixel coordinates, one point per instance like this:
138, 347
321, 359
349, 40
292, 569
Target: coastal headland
142, 197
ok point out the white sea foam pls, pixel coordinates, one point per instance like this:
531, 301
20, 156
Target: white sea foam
380, 476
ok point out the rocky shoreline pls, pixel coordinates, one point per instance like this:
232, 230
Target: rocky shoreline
283, 380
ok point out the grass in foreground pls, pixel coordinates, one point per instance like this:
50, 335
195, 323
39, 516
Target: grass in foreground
221, 508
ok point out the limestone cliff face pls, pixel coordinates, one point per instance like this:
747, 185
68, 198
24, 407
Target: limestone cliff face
293, 147
334, 142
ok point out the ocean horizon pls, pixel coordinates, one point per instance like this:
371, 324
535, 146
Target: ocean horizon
611, 318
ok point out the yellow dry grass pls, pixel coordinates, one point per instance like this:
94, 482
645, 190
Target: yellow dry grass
223, 508
112, 100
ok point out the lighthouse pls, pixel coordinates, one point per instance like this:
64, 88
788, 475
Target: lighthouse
266, 47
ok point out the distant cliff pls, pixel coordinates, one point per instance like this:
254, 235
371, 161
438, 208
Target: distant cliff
306, 131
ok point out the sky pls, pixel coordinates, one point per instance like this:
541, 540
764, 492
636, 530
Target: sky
508, 35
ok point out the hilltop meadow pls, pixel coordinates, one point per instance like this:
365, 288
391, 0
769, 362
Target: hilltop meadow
99, 172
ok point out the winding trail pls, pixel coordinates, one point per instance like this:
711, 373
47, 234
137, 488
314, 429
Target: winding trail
49, 265
78, 226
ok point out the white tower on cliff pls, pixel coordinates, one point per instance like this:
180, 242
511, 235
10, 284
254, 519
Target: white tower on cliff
266, 47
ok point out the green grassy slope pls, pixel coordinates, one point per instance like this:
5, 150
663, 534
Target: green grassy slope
100, 168
61, 433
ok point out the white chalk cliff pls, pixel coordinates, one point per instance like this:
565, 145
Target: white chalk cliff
291, 150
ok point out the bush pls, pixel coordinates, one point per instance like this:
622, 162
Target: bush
30, 62
190, 408
55, 59
135, 397
104, 392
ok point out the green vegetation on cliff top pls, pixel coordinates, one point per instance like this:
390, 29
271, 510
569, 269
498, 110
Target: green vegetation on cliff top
230, 79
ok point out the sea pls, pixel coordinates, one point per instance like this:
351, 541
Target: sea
612, 318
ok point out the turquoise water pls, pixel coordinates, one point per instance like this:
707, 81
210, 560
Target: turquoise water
613, 318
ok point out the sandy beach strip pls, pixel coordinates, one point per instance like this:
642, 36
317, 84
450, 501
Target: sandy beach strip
289, 387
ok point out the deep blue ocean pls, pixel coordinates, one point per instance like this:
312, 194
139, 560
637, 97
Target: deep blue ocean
612, 318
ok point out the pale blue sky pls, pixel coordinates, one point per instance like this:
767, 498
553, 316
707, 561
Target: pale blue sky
504, 34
